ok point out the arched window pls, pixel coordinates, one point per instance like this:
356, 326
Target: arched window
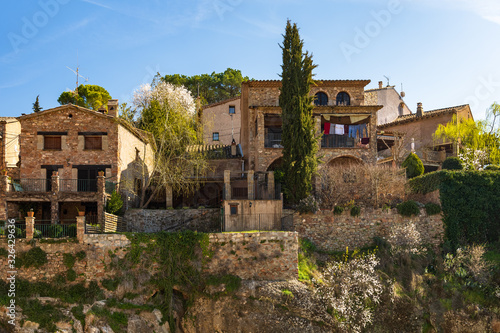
320, 99
343, 98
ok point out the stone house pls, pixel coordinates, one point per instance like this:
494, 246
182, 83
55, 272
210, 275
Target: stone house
418, 128
10, 129
222, 122
392, 102
339, 104
72, 158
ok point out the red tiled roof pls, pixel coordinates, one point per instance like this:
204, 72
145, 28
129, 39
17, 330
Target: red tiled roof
427, 114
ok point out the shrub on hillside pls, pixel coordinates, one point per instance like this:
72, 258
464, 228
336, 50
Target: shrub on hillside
413, 165
453, 163
492, 167
351, 288
432, 208
308, 205
408, 208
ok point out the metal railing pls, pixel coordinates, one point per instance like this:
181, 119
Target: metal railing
78, 185
273, 140
337, 141
47, 230
20, 230
31, 185
109, 187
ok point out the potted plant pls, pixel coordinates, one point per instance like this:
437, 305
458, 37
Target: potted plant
4, 172
80, 212
31, 213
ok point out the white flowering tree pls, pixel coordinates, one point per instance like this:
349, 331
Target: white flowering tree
168, 112
474, 159
351, 289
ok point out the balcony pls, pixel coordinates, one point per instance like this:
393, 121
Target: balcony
273, 140
337, 141
31, 185
78, 185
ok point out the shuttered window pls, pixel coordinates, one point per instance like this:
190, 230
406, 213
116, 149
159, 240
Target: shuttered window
93, 142
52, 142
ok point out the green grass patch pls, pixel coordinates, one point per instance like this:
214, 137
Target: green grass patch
68, 260
118, 321
111, 284
44, 314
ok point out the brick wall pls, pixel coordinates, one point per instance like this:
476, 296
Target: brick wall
336, 232
71, 120
257, 256
154, 220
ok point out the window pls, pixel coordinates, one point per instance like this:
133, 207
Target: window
93, 142
232, 109
343, 98
233, 209
215, 136
52, 142
320, 99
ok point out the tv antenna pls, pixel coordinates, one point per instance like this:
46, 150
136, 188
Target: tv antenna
77, 74
387, 78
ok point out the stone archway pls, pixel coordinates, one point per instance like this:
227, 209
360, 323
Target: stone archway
345, 160
276, 164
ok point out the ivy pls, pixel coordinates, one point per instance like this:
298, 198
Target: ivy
34, 257
408, 208
176, 255
68, 260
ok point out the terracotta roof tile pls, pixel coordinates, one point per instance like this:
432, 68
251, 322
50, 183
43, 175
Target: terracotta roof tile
427, 114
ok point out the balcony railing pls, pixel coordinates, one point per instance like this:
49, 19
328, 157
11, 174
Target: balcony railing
273, 140
337, 141
78, 185
31, 185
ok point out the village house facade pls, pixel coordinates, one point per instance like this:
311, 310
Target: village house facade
71, 159
222, 122
348, 125
418, 128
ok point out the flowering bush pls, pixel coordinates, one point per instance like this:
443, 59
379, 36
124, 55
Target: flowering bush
473, 159
308, 205
405, 238
351, 288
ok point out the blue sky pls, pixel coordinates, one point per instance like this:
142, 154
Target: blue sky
444, 52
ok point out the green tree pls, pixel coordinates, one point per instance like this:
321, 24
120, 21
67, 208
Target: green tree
168, 112
114, 204
299, 141
36, 105
127, 113
413, 165
89, 96
213, 87
475, 138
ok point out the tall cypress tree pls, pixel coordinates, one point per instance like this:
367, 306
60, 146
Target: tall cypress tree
299, 141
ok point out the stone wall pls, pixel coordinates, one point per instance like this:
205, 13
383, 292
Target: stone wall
92, 267
336, 232
257, 256
260, 256
154, 220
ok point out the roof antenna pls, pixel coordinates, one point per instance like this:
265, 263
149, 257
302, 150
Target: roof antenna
77, 75
387, 80
402, 92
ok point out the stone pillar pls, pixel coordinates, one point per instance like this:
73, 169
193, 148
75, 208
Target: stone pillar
251, 185
4, 184
169, 196
30, 227
227, 184
55, 182
80, 228
270, 185
101, 198
54, 209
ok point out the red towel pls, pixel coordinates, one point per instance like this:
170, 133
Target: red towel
327, 128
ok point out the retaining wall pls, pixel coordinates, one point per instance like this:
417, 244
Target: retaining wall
336, 232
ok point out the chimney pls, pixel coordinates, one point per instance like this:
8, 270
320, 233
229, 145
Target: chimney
420, 110
102, 109
113, 107
380, 83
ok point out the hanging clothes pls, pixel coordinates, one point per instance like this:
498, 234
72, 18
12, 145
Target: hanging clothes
339, 129
327, 129
346, 129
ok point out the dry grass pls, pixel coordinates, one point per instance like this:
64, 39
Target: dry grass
367, 185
